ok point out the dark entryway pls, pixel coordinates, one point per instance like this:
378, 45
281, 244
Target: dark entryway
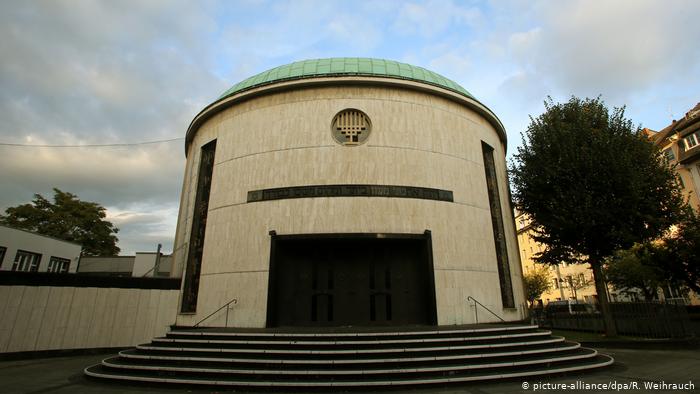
351, 280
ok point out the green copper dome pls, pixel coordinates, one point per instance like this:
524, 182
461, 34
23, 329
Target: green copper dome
346, 66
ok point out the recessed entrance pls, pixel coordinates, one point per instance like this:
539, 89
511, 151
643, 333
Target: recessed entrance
351, 280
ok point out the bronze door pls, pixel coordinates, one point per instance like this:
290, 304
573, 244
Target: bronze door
350, 281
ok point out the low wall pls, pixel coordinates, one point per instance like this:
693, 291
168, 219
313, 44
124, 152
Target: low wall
63, 314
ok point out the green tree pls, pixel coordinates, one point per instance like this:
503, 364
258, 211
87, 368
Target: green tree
592, 185
682, 261
66, 218
638, 269
536, 282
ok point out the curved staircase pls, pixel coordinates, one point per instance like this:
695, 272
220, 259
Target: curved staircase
264, 358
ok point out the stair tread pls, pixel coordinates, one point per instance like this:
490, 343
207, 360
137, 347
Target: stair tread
346, 358
343, 351
595, 362
374, 342
334, 369
349, 332
253, 358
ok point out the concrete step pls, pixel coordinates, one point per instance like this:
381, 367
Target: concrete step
396, 348
404, 357
343, 358
408, 378
333, 342
348, 369
349, 333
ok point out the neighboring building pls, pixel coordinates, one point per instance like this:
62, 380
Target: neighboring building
347, 191
569, 281
22, 250
142, 264
680, 142
575, 281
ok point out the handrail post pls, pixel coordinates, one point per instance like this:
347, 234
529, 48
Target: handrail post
228, 308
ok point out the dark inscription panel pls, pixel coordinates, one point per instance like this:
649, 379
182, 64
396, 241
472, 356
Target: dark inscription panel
282, 193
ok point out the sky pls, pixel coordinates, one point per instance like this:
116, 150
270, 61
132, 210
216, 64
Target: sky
83, 72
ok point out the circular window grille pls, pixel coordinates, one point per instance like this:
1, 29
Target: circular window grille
351, 127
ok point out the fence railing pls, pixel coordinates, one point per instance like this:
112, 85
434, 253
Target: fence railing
642, 319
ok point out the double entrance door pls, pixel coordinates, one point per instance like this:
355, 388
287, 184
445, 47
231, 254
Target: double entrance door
350, 281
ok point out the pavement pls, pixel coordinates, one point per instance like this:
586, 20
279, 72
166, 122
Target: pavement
641, 366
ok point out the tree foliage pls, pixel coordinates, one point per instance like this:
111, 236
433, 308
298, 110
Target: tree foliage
66, 218
638, 269
592, 185
682, 263
536, 282
671, 261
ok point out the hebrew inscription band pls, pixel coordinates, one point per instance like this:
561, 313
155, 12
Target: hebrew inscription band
282, 193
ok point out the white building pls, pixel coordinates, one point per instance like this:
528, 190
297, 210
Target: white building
142, 264
26, 251
346, 191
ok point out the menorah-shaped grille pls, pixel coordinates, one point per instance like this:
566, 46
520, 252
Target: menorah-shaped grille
351, 127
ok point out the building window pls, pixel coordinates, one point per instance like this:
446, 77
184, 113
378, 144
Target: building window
58, 265
190, 288
555, 281
499, 233
26, 261
2, 254
691, 141
569, 281
668, 154
351, 127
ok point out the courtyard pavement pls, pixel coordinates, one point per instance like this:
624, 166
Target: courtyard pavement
677, 366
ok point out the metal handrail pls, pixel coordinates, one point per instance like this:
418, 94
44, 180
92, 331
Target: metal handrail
476, 316
233, 301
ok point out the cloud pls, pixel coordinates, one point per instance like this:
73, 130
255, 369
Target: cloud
434, 17
142, 232
610, 48
101, 72
86, 72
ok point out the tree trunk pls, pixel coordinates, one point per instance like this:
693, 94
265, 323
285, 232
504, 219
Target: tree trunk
648, 294
601, 291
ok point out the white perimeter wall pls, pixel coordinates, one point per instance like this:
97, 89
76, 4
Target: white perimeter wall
48, 318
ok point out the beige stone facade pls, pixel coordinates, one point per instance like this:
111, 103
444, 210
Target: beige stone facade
279, 136
568, 281
680, 143
575, 281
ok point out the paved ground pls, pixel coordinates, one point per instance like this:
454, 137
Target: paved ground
64, 375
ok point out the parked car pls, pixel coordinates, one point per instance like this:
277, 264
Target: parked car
569, 306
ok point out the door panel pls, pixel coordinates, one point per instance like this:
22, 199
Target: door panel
351, 281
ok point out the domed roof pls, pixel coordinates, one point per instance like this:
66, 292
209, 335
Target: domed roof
346, 66
364, 68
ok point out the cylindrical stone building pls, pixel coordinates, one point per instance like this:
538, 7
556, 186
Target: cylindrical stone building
346, 192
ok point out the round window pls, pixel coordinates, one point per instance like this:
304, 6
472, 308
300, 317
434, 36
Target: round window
351, 127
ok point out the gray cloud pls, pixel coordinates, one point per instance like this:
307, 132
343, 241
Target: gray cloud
618, 49
102, 72
86, 72
434, 17
636, 53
